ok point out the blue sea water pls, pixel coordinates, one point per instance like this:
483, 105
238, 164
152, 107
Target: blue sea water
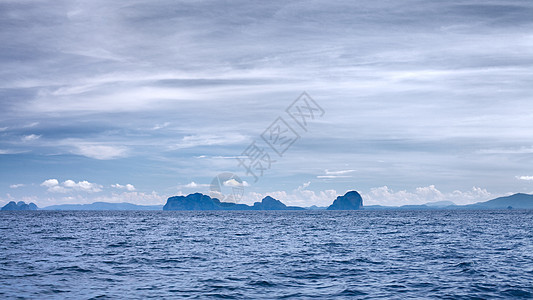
254, 254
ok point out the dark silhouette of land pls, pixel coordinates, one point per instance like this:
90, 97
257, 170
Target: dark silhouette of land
519, 201
199, 201
350, 201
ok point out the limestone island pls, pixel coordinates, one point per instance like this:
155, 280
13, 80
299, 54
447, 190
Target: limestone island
350, 201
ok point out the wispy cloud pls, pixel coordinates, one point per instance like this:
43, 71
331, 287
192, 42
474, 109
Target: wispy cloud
161, 126
102, 152
191, 141
305, 185
216, 157
520, 150
525, 177
31, 137
335, 174
16, 186
12, 151
31, 125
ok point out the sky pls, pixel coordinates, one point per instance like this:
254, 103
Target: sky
406, 102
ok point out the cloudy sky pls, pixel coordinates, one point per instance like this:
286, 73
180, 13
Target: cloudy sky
139, 100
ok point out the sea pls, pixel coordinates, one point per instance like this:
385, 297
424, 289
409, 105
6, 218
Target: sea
448, 254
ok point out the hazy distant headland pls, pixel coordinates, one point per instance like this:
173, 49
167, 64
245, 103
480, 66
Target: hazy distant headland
352, 200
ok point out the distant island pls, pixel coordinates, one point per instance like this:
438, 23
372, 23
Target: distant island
21, 205
516, 201
519, 201
352, 200
199, 201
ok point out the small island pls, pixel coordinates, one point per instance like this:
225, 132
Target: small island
198, 201
350, 201
21, 205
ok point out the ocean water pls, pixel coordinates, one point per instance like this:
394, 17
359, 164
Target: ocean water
243, 255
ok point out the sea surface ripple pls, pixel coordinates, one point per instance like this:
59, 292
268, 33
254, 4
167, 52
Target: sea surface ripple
285, 254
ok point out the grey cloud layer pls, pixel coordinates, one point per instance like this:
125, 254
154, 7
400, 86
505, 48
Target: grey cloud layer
416, 92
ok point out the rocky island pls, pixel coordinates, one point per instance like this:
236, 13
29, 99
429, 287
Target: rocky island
21, 205
350, 201
199, 201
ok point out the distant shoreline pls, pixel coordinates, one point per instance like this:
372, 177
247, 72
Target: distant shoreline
516, 201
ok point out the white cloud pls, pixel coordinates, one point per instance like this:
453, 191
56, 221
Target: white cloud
132, 197
101, 152
234, 183
50, 182
83, 186
193, 185
525, 177
3, 129
31, 137
128, 186
298, 197
70, 185
53, 186
16, 186
386, 196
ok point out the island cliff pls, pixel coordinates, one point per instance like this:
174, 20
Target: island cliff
269, 203
350, 201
